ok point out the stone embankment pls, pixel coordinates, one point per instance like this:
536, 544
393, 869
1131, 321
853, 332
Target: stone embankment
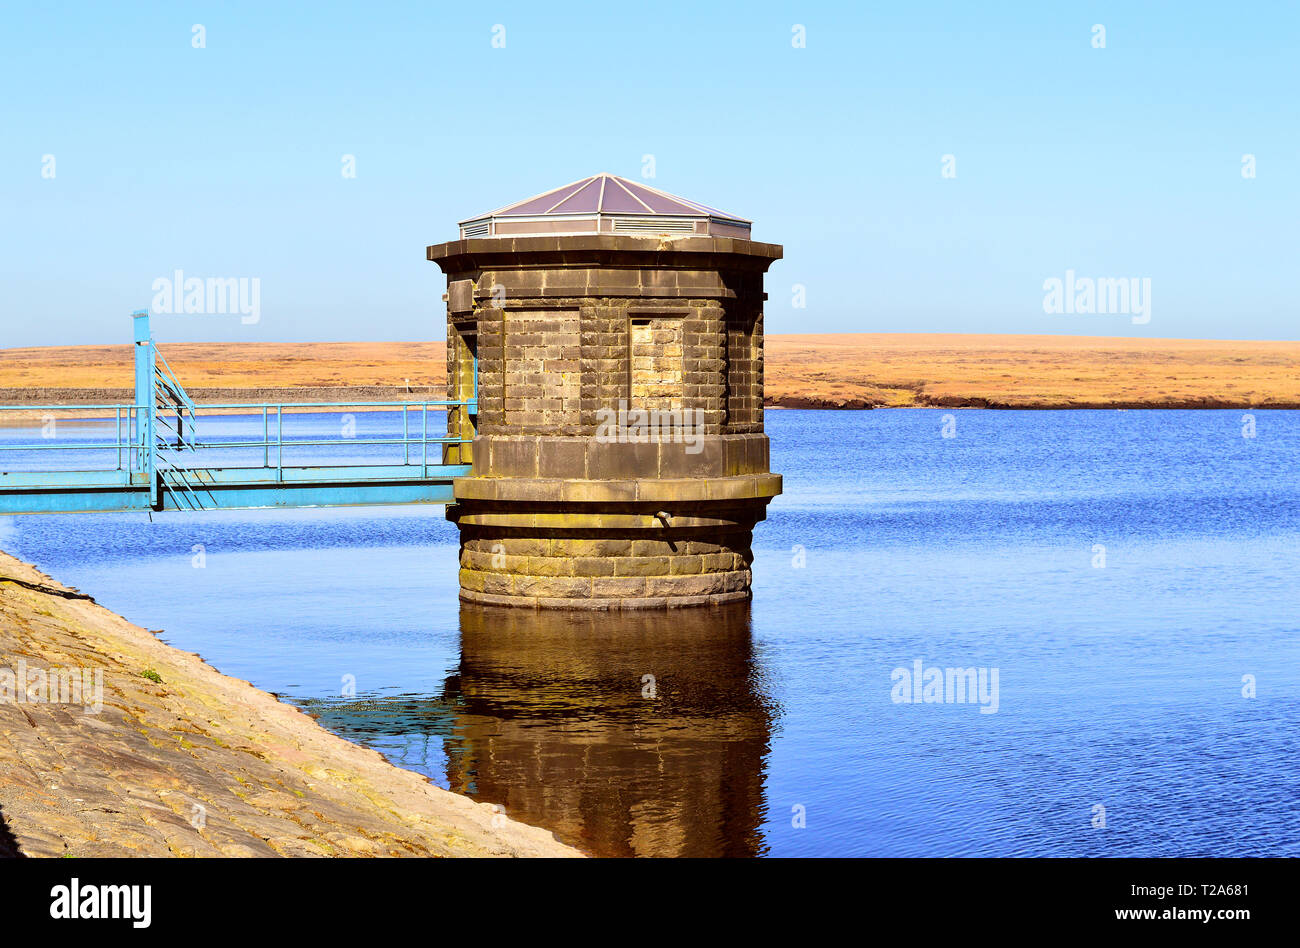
120, 745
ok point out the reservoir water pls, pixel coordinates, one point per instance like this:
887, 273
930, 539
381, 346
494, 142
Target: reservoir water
1126, 585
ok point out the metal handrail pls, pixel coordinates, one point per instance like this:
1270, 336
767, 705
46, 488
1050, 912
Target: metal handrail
408, 405
50, 408
175, 383
165, 468
145, 433
106, 446
306, 442
128, 437
209, 406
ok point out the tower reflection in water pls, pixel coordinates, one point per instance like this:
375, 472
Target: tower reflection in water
626, 734
636, 733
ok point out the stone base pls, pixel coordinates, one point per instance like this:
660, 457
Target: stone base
626, 544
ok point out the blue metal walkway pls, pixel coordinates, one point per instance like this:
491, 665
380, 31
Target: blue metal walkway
150, 456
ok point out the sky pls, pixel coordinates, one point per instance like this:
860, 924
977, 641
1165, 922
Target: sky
928, 167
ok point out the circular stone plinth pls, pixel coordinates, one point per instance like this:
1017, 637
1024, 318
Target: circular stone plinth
632, 544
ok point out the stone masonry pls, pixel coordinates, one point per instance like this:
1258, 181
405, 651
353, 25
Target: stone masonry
618, 455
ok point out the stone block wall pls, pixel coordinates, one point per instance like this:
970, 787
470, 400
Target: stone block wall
655, 357
541, 376
549, 366
744, 371
462, 341
592, 544
587, 570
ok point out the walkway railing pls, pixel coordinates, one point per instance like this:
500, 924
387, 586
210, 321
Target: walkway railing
415, 440
172, 398
181, 452
126, 421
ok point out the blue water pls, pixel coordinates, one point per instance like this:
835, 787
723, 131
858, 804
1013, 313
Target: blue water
773, 729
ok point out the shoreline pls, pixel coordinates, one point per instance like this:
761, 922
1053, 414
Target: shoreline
1204, 404
823, 371
355, 398
178, 759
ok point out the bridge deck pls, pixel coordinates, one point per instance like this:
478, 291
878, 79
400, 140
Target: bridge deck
215, 488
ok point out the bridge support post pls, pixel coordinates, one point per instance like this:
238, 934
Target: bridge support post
145, 402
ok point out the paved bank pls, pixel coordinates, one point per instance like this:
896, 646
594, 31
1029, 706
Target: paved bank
181, 760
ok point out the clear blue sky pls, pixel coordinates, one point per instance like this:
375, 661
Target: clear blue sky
226, 161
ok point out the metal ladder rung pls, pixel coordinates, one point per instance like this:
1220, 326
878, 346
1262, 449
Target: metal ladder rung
167, 468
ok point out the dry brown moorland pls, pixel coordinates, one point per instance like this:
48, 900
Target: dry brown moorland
948, 370
857, 370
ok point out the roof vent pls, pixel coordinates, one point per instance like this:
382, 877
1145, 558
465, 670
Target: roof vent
477, 229
652, 225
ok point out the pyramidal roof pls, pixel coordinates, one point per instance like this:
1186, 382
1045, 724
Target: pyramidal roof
605, 203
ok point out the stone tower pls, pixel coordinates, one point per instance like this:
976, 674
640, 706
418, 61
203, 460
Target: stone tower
618, 452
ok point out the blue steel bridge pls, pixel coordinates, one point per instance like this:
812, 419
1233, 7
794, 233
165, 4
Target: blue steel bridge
164, 452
